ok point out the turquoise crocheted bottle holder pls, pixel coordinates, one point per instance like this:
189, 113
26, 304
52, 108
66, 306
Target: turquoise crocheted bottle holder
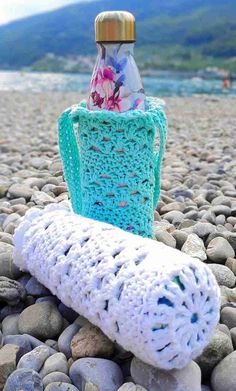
110, 166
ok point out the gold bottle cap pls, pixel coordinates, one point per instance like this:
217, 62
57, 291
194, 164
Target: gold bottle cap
115, 26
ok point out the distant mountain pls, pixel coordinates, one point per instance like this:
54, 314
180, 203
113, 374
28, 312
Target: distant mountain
171, 34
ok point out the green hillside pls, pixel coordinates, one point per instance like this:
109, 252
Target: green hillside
180, 34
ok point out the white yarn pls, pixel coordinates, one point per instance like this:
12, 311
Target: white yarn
155, 301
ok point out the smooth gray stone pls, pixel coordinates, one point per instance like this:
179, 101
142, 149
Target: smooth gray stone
223, 377
104, 374
66, 337
217, 349
24, 380
224, 276
41, 320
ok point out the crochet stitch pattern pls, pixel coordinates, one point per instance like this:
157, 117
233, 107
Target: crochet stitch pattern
111, 169
155, 301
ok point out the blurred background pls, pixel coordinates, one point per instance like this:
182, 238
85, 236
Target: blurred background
184, 47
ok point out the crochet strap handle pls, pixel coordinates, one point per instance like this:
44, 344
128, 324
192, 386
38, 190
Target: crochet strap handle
70, 158
160, 122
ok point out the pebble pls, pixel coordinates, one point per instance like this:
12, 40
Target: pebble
203, 229
10, 325
55, 377
223, 377
24, 380
67, 312
174, 217
154, 379
55, 363
218, 348
34, 359
21, 341
180, 237
11, 291
93, 370
65, 338
131, 387
89, 341
41, 320
34, 288
224, 276
41, 198
231, 264
165, 237
59, 386
8, 355
221, 210
194, 246
228, 317
7, 267
221, 200
19, 190
219, 250
233, 336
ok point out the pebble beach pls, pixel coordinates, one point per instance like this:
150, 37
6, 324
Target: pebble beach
47, 346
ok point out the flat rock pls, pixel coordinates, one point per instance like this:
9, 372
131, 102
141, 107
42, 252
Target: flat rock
218, 348
93, 370
219, 250
41, 320
194, 246
90, 341
224, 276
155, 379
24, 380
223, 377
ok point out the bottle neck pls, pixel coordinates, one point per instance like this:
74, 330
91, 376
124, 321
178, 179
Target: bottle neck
115, 50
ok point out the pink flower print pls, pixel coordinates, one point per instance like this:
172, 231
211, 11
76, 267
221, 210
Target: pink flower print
97, 99
113, 103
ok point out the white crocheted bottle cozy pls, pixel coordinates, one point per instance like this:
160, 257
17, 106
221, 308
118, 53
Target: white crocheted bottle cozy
110, 166
155, 301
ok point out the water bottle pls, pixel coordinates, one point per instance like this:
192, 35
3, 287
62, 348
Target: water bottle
116, 83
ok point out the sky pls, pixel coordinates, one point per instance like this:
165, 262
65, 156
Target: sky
15, 9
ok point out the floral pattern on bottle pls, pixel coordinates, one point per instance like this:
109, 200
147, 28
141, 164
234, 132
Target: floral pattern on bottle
116, 84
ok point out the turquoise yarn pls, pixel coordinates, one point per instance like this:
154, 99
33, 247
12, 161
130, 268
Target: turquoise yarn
110, 166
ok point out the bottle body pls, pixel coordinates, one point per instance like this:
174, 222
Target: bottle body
116, 83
